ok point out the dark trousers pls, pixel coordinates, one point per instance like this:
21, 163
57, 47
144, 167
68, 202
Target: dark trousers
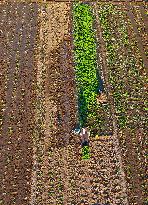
85, 143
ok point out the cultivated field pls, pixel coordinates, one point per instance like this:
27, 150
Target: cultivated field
56, 60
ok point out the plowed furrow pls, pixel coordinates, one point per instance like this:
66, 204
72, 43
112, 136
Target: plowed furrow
8, 169
139, 41
19, 141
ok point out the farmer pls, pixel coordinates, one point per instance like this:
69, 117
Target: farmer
85, 133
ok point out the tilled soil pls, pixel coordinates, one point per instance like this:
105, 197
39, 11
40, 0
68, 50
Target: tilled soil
136, 127
130, 143
18, 38
56, 113
97, 180
41, 160
60, 82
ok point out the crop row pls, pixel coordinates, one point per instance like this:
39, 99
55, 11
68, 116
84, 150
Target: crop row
38, 134
89, 82
118, 66
125, 78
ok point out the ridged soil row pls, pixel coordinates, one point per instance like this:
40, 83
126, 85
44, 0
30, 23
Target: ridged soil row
18, 115
106, 172
37, 188
136, 84
120, 63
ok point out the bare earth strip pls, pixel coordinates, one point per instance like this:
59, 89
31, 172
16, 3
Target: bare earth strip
57, 28
55, 99
37, 188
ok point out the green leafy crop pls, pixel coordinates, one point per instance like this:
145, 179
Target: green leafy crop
85, 152
89, 82
85, 58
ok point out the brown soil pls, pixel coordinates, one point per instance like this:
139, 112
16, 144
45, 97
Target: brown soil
19, 94
41, 161
134, 187
91, 181
55, 78
138, 38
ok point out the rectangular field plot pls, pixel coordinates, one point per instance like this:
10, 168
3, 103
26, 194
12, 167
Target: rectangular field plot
68, 67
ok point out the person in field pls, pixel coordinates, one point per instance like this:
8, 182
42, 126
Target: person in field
84, 134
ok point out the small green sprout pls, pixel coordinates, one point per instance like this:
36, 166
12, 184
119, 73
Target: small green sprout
85, 152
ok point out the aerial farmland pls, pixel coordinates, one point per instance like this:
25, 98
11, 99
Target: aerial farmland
73, 102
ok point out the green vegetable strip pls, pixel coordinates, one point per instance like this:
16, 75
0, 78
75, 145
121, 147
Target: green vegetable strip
85, 58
